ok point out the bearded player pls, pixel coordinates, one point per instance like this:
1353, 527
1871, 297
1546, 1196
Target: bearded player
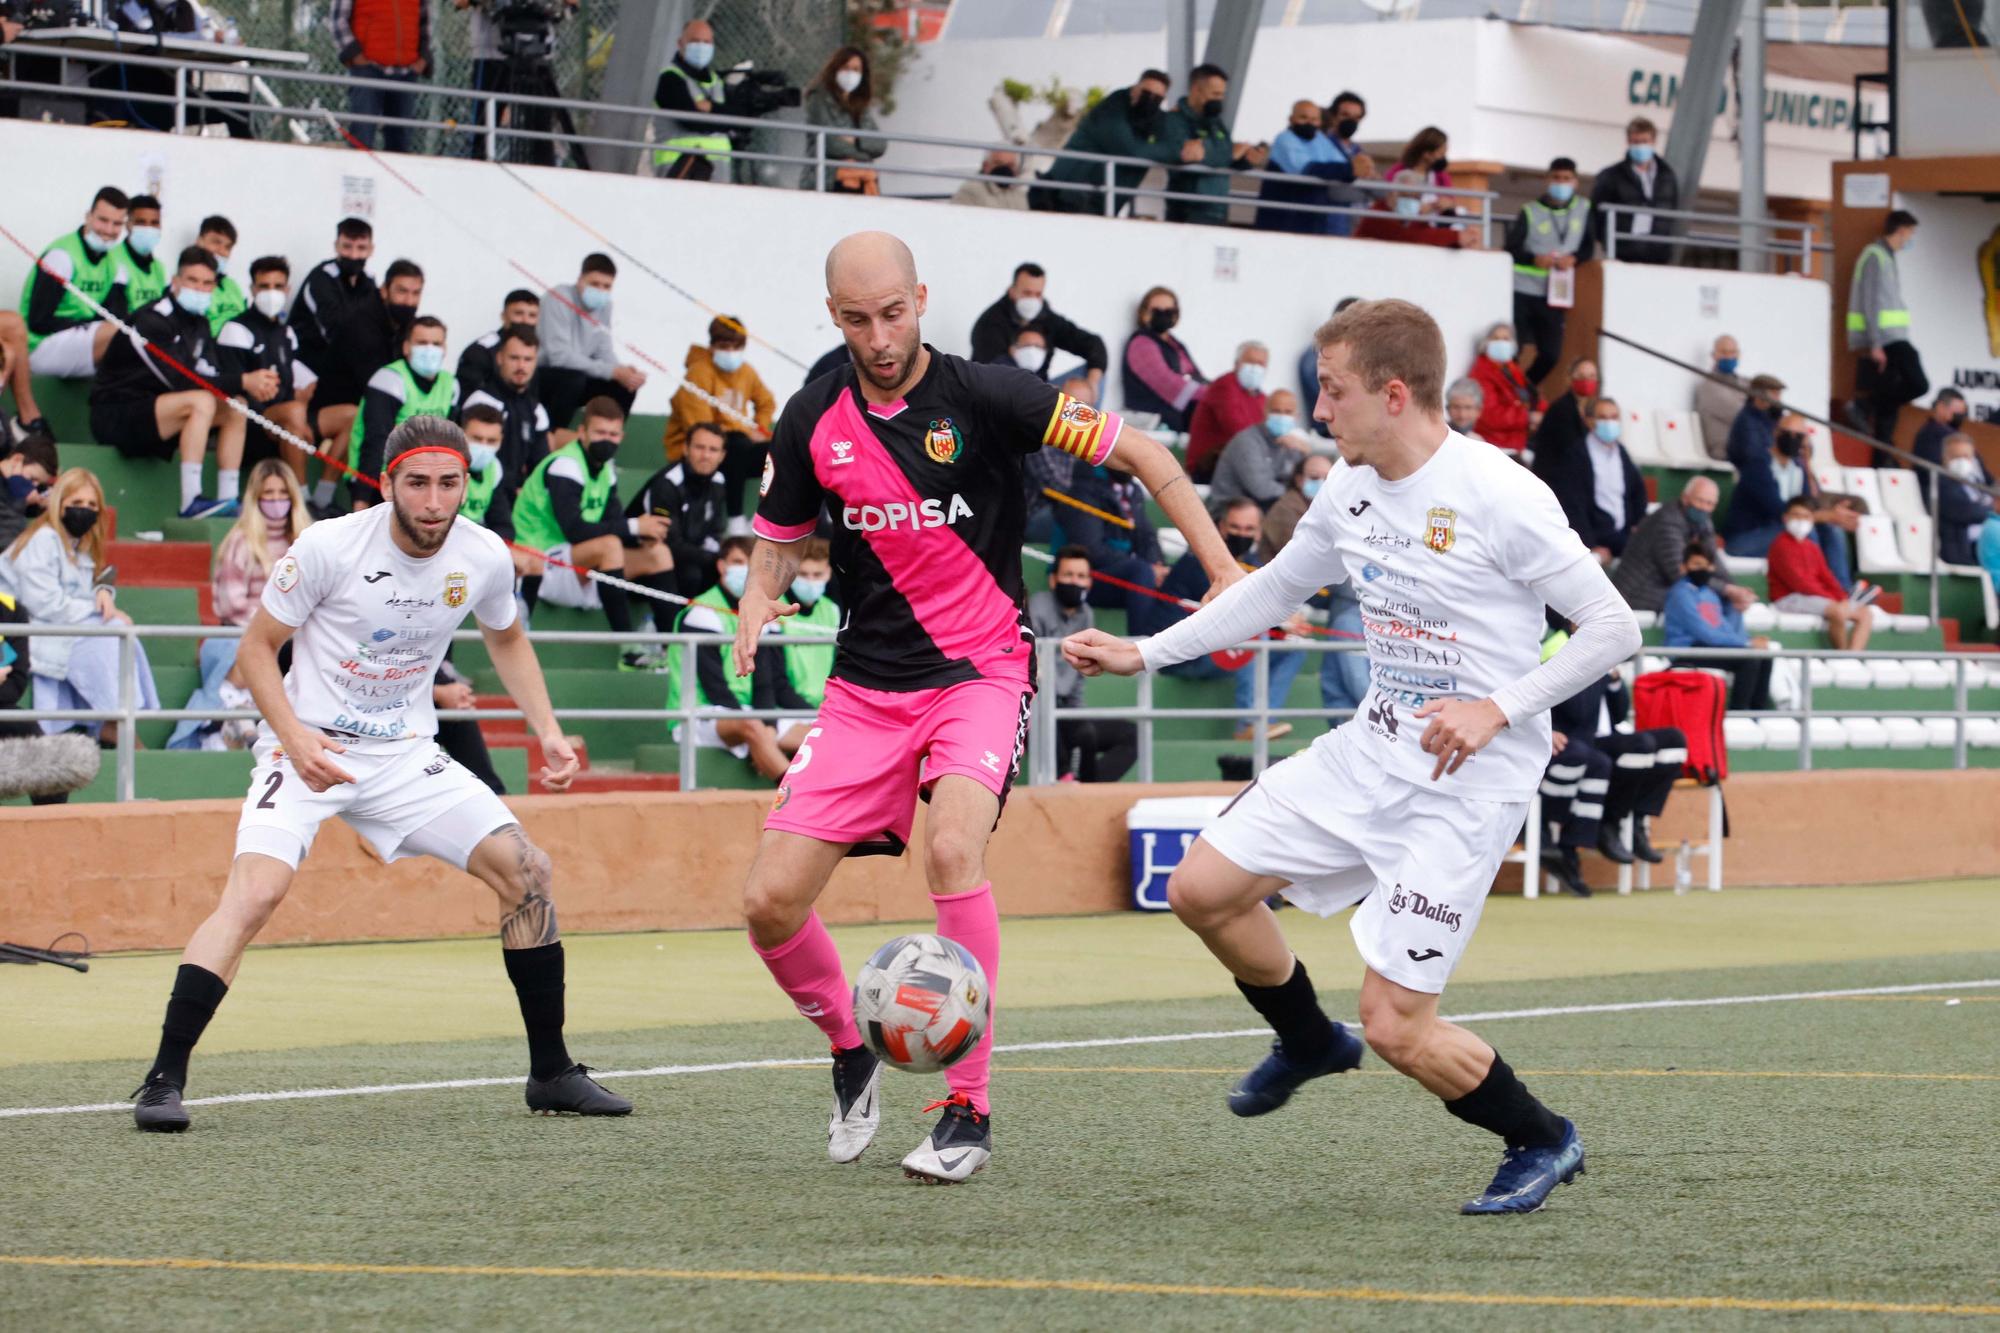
370, 601
1409, 807
918, 456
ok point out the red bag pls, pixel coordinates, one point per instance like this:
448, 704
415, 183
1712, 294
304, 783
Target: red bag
1694, 702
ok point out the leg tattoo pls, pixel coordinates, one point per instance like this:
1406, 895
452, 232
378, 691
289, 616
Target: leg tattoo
533, 922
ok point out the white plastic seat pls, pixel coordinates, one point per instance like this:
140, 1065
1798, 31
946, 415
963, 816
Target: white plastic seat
1798, 622
1903, 624
1821, 440
1864, 482
1827, 472
1679, 434
1760, 618
1641, 441
1876, 540
1987, 596
1649, 664
1940, 733
1888, 674
1905, 733
1819, 670
1742, 733
1864, 733
1646, 619
1850, 673
1172, 544
1902, 496
1927, 673
1745, 564
1983, 733
1913, 541
1780, 733
1829, 733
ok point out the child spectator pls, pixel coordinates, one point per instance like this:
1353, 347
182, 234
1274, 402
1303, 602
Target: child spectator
1803, 583
1697, 618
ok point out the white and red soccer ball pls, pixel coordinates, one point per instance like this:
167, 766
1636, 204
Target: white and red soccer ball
922, 1002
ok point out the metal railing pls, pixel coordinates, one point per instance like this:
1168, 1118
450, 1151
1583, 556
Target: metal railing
1803, 248
1043, 759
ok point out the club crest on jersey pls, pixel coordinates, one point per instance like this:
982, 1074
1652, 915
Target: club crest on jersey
764, 486
943, 442
1440, 529
454, 589
286, 575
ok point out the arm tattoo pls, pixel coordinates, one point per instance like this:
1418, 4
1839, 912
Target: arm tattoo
1177, 478
775, 566
533, 923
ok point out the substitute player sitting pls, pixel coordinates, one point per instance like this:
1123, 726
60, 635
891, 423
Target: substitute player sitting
371, 601
918, 455
1408, 807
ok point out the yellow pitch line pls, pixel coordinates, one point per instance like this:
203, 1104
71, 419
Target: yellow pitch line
967, 1282
1541, 1073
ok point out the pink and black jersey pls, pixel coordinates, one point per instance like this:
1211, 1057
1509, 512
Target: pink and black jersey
926, 499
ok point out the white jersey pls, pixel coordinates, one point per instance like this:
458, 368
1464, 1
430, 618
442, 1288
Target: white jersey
373, 623
1445, 563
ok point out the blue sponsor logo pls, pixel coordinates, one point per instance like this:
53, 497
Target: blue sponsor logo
1371, 571
383, 635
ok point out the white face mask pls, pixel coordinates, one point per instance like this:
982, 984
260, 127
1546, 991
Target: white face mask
1965, 469
1029, 357
1799, 527
848, 80
1027, 307
270, 303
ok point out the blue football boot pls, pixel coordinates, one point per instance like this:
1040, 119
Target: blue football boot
1272, 1083
1527, 1176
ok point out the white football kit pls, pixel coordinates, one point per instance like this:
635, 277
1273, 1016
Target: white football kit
1453, 565
372, 625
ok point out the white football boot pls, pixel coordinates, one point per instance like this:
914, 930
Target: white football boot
857, 1105
960, 1145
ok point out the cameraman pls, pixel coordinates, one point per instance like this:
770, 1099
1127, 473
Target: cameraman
690, 84
490, 72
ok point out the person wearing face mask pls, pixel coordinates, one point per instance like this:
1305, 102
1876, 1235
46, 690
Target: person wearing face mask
1595, 481
693, 150
52, 571
1565, 426
1697, 617
1510, 399
1463, 402
218, 237
1644, 179
564, 510
683, 515
1126, 122
145, 408
721, 371
1008, 191
1802, 584
1160, 375
325, 295
1024, 306
1947, 417
809, 664
27, 471
66, 338
367, 336
1197, 123
1341, 124
1653, 553
1282, 519
1227, 407
1963, 503
1087, 749
1549, 235
1418, 216
842, 96
579, 355
1717, 401
1261, 457
767, 686
1303, 150
489, 491
1888, 372
416, 384
145, 276
260, 346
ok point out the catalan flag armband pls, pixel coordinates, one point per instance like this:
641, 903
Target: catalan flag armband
1082, 431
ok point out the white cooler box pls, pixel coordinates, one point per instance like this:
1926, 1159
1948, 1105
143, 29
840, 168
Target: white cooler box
1161, 829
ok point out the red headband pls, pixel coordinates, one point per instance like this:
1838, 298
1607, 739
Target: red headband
425, 449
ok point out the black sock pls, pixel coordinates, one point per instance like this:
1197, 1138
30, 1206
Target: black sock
1293, 1012
197, 991
617, 606
1502, 1105
531, 590
537, 975
663, 611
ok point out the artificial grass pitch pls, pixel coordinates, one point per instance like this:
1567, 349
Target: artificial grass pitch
1823, 1161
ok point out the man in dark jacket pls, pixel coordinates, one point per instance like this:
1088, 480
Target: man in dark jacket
1653, 553
475, 364
1127, 122
324, 299
1121, 541
367, 336
26, 473
1962, 505
511, 390
1024, 307
260, 347
1596, 482
692, 499
1641, 178
1197, 120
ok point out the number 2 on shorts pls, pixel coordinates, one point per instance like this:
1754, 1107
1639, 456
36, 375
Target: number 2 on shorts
264, 802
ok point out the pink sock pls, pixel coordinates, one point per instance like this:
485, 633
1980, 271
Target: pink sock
971, 919
807, 968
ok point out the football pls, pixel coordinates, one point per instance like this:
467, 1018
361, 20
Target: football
922, 1002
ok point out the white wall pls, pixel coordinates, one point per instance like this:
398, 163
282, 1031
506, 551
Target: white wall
754, 253
1947, 300
1782, 324
1945, 102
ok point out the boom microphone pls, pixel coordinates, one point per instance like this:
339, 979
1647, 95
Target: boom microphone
47, 765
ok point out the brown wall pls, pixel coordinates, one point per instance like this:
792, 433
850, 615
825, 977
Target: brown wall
143, 876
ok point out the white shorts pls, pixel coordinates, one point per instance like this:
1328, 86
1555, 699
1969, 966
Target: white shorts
1341, 831
561, 587
67, 355
409, 800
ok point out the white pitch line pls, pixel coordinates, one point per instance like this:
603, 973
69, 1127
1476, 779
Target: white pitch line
669, 1071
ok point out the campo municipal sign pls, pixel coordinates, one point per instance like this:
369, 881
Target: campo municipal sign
1814, 111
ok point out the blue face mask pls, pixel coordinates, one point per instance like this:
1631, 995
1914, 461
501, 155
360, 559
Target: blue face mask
1501, 350
1562, 192
735, 579
1726, 365
1408, 205
483, 456
1281, 423
192, 301
143, 240
427, 359
1641, 153
1310, 486
1250, 376
699, 55
1606, 431
595, 298
729, 362
97, 244
807, 592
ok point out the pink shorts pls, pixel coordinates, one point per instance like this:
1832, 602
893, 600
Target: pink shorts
871, 753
